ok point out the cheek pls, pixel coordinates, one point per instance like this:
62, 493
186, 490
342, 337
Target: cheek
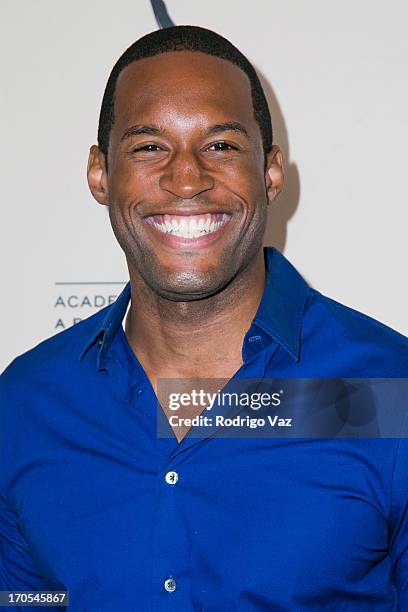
257, 187
252, 191
131, 183
246, 179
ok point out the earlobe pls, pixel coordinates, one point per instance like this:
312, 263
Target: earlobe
97, 175
274, 173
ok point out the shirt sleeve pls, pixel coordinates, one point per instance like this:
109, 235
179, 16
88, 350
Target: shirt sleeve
18, 571
399, 523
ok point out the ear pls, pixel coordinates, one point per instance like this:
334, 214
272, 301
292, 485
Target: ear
274, 173
97, 175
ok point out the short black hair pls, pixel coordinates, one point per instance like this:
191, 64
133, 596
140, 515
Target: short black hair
184, 38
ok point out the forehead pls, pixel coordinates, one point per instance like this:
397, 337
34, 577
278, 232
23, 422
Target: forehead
184, 83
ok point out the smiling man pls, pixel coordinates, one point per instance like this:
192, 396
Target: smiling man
187, 169
92, 500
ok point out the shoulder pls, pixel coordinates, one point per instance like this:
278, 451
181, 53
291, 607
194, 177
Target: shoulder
360, 324
39, 388
54, 354
375, 348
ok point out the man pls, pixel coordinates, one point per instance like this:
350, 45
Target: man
92, 500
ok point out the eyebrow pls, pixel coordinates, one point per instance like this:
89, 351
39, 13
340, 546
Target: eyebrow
135, 130
228, 126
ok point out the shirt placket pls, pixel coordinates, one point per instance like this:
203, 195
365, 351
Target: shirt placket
172, 539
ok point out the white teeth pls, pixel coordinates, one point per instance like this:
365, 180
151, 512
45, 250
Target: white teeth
189, 227
183, 227
193, 227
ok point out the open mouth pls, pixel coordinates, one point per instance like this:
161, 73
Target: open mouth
189, 226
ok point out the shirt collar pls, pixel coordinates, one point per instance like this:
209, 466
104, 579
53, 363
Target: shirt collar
105, 329
279, 313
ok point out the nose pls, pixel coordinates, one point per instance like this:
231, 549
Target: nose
185, 177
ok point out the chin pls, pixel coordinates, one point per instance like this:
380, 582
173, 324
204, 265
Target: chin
187, 287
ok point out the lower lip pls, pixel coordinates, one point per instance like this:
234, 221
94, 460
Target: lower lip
178, 241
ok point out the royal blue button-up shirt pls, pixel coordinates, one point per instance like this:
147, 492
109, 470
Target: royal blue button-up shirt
92, 501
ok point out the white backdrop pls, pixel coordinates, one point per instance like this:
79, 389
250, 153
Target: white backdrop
335, 76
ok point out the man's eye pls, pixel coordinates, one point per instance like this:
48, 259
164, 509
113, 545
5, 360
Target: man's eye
222, 146
150, 148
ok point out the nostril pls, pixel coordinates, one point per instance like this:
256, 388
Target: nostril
186, 184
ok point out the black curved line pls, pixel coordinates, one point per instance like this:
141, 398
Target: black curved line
160, 12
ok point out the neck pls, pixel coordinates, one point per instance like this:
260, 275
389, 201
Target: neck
186, 339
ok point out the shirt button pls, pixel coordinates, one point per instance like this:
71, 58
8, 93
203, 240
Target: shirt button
254, 339
170, 585
171, 477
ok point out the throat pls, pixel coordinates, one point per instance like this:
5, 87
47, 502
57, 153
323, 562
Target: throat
189, 364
